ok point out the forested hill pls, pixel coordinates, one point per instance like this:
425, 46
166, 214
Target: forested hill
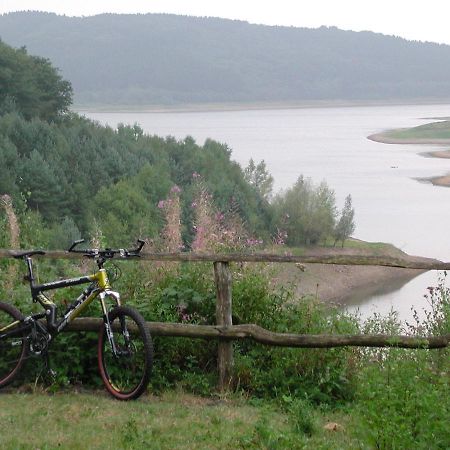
66, 175
167, 59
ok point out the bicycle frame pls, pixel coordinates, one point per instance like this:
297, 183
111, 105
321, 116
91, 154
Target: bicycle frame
99, 287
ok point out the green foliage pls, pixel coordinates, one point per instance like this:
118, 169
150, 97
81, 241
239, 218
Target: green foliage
306, 212
402, 394
184, 294
403, 400
346, 224
80, 171
31, 86
259, 177
301, 414
267, 436
395, 398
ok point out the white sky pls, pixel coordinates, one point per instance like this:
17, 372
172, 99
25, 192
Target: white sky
424, 20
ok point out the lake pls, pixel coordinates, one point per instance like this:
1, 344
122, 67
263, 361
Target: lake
330, 143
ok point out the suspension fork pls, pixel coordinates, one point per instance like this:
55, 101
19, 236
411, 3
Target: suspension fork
107, 324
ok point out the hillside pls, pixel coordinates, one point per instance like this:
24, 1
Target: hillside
168, 59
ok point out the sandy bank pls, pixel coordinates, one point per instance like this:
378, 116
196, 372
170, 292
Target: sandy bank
439, 154
333, 283
384, 138
443, 180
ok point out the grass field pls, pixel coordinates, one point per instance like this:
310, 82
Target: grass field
435, 130
39, 420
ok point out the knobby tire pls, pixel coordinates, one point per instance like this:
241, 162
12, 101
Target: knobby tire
126, 376
13, 350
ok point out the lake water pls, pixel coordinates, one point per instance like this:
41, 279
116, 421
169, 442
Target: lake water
331, 144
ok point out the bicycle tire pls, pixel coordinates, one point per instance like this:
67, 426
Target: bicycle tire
126, 376
13, 350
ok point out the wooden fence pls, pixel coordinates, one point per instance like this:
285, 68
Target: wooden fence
226, 332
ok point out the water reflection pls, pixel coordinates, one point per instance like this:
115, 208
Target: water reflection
400, 295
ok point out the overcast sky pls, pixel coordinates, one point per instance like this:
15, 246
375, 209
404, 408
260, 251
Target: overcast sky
413, 19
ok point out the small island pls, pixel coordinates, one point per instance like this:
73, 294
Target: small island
434, 133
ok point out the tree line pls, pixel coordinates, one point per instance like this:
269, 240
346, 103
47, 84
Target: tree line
168, 59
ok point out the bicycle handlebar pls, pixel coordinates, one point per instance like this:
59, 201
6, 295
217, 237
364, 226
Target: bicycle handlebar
74, 244
107, 252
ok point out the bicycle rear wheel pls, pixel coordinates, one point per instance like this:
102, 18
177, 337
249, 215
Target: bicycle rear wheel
13, 348
126, 373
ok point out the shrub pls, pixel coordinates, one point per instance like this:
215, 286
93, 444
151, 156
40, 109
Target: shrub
402, 395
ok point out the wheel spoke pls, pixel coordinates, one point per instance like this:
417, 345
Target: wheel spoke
126, 373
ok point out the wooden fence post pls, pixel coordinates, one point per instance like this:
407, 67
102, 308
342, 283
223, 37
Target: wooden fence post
222, 276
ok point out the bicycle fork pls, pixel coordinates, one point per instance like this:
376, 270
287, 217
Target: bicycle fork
107, 324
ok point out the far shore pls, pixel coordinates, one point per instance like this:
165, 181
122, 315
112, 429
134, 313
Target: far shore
246, 106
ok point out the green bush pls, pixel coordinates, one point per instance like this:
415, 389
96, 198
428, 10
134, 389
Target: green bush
402, 396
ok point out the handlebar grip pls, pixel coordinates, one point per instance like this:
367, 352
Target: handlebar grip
75, 243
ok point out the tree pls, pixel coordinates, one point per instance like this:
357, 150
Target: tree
346, 225
308, 212
259, 177
31, 86
43, 188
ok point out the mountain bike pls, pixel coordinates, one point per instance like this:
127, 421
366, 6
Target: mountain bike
124, 351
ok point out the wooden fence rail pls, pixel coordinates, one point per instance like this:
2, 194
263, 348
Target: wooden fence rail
353, 260
263, 336
226, 332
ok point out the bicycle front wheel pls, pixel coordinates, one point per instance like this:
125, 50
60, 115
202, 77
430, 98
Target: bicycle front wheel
13, 347
126, 369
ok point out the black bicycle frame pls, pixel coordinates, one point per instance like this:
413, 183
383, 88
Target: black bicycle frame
99, 286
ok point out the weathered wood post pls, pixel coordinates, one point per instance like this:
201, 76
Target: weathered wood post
222, 276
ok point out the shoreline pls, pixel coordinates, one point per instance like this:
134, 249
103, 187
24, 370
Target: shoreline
246, 106
336, 284
440, 180
384, 138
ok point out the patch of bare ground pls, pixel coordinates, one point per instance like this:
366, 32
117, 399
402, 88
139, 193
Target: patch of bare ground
443, 180
445, 154
335, 283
